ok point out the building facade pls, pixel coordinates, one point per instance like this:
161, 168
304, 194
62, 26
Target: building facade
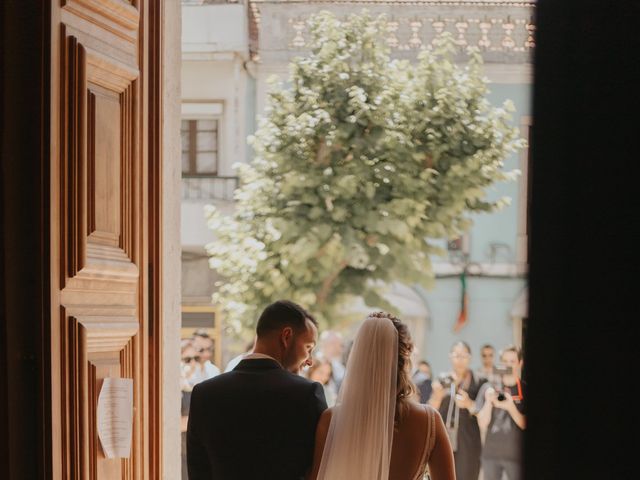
231, 49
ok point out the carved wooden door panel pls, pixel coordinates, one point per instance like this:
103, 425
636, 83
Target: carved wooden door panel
99, 229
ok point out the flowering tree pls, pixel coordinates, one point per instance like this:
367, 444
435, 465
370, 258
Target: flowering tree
360, 163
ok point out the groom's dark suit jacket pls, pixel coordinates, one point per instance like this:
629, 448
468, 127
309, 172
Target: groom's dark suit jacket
256, 422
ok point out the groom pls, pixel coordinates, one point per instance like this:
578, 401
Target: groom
259, 420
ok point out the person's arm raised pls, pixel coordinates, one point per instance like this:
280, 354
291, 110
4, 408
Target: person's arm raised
321, 436
437, 394
509, 405
441, 464
484, 414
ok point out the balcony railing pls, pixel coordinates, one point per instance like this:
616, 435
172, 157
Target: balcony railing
208, 2
201, 187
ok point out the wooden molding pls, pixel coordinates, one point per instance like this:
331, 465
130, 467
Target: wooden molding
100, 105
116, 16
72, 155
155, 21
94, 348
105, 223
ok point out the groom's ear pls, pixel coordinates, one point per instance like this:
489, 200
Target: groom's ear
286, 336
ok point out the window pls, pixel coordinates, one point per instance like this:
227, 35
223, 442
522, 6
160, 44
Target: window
200, 147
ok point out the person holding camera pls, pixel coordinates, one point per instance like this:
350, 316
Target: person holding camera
454, 396
503, 415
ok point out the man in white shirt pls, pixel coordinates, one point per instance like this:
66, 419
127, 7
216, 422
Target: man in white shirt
238, 358
259, 420
204, 348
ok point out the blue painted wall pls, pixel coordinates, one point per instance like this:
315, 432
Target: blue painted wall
489, 321
502, 226
490, 299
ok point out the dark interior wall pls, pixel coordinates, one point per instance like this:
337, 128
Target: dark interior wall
4, 437
24, 240
582, 346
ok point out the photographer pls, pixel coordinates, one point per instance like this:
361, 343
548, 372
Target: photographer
503, 415
454, 395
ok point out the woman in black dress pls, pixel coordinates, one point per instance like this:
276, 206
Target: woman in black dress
454, 395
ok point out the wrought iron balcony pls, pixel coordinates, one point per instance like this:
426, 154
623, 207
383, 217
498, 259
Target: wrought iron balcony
208, 187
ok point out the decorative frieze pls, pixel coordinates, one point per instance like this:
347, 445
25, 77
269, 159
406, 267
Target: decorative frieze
406, 34
503, 31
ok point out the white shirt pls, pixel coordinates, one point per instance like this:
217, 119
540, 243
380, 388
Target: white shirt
253, 356
204, 372
234, 362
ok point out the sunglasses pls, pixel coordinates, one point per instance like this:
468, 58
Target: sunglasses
190, 359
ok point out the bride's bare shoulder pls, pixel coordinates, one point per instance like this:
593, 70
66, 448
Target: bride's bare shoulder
418, 414
422, 409
325, 418
418, 409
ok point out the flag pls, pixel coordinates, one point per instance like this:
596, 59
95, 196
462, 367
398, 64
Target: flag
464, 303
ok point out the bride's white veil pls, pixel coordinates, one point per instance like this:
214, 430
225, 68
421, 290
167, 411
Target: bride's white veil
358, 445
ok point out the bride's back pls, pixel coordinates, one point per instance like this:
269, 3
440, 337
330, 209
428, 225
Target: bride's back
356, 439
411, 444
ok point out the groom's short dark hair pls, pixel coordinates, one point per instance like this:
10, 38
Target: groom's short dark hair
283, 313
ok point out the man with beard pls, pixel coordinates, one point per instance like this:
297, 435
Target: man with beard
258, 421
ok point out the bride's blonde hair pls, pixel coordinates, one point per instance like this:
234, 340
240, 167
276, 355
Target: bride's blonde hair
405, 386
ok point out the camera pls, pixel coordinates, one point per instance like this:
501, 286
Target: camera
499, 372
445, 380
502, 370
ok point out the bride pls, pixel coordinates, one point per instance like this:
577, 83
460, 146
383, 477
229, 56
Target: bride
376, 431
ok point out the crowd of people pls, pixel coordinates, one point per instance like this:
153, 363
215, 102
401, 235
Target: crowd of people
196, 365
483, 410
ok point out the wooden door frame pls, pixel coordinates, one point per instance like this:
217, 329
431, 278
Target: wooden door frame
155, 26
27, 407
